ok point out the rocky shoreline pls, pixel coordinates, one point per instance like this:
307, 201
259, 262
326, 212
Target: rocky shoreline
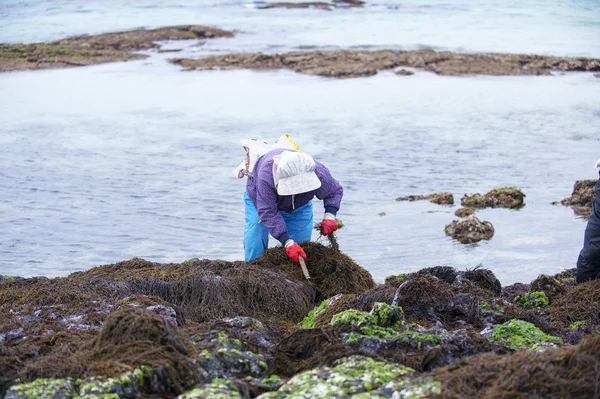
121, 46
216, 329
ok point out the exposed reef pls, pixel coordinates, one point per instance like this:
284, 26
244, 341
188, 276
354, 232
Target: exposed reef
210, 329
356, 63
97, 49
581, 198
314, 4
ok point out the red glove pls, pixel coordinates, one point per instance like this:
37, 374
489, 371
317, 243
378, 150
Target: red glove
293, 250
328, 226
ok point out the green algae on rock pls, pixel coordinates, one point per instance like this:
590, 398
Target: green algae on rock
309, 320
346, 377
517, 334
45, 388
536, 299
216, 389
507, 197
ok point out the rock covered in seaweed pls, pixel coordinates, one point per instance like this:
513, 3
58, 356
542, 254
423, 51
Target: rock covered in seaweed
346, 377
96, 334
581, 198
470, 230
508, 197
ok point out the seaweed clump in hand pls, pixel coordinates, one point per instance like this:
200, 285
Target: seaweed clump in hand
331, 237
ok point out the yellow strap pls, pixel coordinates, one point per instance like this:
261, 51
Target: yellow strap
289, 139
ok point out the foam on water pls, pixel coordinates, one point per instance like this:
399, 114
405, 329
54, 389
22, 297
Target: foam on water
108, 162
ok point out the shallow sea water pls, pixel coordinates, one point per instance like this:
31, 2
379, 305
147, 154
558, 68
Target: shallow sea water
108, 162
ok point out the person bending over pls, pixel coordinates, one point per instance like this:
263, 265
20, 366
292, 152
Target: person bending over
278, 201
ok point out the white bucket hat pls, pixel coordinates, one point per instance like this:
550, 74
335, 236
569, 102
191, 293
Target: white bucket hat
294, 173
598, 164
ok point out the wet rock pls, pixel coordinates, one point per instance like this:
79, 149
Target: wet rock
97, 49
222, 356
248, 329
348, 376
464, 212
436, 198
581, 198
44, 389
217, 389
355, 63
167, 312
129, 385
470, 230
511, 198
597, 75
403, 388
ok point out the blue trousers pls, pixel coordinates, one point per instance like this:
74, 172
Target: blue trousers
256, 237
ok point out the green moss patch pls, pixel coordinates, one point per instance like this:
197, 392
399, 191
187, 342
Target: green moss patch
517, 334
309, 320
536, 299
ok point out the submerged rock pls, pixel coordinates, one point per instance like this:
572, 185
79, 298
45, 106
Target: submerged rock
581, 198
436, 198
470, 230
511, 198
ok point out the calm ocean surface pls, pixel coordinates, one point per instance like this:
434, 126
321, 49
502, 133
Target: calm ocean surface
104, 163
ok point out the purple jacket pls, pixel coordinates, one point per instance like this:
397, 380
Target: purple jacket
261, 190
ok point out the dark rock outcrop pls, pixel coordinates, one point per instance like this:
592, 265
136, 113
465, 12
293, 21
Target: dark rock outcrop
581, 198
